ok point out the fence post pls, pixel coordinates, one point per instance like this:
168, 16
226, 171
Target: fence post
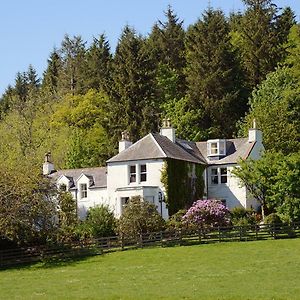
122, 242
219, 233
274, 231
141, 240
199, 234
256, 231
240, 232
180, 237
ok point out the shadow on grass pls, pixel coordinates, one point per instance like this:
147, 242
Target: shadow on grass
51, 262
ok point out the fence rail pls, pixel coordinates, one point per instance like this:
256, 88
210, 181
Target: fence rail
10, 257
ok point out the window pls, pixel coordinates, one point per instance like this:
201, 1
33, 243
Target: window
214, 176
222, 148
63, 188
218, 175
150, 199
124, 202
223, 172
216, 147
143, 173
83, 190
132, 174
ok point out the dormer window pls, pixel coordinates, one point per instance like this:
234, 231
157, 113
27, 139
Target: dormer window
63, 187
216, 147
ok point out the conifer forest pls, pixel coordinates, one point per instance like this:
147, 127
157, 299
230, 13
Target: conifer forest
210, 80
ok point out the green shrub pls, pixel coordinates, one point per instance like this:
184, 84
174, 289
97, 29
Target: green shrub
100, 222
67, 218
272, 219
242, 217
242, 222
139, 217
175, 222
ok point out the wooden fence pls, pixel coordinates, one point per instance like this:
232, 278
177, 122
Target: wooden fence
10, 257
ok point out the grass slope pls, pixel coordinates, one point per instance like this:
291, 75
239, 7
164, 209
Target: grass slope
252, 270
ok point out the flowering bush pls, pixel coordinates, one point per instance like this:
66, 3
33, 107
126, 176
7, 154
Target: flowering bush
207, 213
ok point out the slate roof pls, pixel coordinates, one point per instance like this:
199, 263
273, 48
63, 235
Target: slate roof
97, 176
235, 150
154, 146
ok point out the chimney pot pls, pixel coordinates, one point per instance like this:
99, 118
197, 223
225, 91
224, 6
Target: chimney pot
48, 166
168, 131
125, 141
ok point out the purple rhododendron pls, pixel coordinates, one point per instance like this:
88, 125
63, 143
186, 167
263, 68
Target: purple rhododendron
209, 212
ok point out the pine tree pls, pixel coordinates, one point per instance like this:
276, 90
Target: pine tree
213, 76
133, 87
32, 78
166, 47
72, 53
21, 86
52, 73
6, 100
99, 61
284, 23
262, 32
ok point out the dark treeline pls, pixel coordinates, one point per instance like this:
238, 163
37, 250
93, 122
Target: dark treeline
201, 78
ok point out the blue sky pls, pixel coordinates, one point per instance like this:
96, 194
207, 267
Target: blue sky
30, 29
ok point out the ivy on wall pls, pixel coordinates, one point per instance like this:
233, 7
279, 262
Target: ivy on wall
183, 183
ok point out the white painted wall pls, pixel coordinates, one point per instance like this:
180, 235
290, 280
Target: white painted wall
232, 192
119, 186
95, 196
257, 150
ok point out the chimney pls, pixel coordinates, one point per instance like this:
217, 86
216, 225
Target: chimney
48, 166
167, 130
125, 141
255, 135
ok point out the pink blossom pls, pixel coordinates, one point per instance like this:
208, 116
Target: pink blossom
209, 212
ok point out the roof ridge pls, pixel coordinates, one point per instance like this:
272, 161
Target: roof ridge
81, 168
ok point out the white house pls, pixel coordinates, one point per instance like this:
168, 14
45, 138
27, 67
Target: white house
136, 170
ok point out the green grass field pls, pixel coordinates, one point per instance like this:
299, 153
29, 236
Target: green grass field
252, 270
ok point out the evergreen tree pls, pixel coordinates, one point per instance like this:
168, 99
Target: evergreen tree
260, 38
166, 45
52, 73
6, 100
72, 53
99, 61
133, 87
213, 77
32, 78
21, 86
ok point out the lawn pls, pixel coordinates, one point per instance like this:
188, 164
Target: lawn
250, 270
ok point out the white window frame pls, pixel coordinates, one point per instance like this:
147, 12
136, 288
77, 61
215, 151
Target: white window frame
132, 175
218, 175
215, 176
223, 176
216, 147
63, 187
143, 173
83, 190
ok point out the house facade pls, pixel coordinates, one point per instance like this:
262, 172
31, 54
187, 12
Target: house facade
136, 171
